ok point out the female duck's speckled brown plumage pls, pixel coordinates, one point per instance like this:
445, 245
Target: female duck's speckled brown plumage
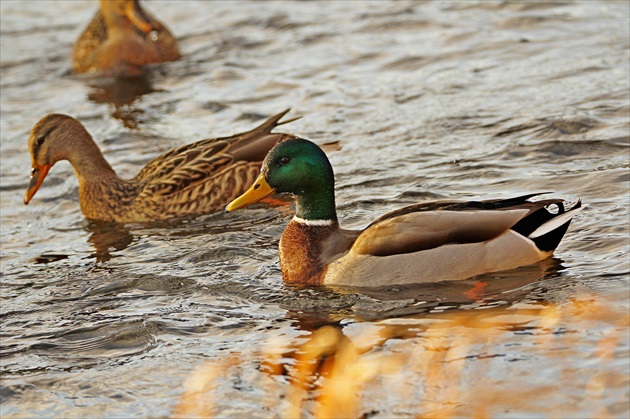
193, 179
121, 39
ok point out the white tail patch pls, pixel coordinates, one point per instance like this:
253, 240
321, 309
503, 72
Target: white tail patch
555, 222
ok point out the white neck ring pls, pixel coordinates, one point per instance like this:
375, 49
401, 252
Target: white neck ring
322, 223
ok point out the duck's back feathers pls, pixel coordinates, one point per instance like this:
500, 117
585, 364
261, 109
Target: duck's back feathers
423, 230
203, 176
443, 240
488, 204
252, 145
432, 224
92, 37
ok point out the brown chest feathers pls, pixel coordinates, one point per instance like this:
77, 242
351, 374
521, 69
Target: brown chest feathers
301, 250
110, 199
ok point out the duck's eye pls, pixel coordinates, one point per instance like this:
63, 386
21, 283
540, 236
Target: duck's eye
284, 160
40, 140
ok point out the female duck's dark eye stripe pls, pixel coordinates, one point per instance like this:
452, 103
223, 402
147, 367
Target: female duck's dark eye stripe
41, 138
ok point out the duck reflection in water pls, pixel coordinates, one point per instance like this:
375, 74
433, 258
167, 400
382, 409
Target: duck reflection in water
121, 93
108, 238
329, 370
312, 307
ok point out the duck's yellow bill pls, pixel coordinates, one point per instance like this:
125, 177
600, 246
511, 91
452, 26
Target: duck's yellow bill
38, 173
259, 190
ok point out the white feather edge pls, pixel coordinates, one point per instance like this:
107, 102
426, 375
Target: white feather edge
555, 222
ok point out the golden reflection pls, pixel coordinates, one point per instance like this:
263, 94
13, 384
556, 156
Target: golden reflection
121, 93
440, 365
376, 304
107, 238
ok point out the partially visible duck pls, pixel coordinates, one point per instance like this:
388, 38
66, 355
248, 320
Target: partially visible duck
121, 39
192, 179
426, 242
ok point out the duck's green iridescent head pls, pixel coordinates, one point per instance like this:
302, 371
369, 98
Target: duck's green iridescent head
300, 167
297, 166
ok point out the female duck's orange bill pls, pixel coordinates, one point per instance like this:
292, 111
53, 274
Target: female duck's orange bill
259, 190
137, 16
38, 173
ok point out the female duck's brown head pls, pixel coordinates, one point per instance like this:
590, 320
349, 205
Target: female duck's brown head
60, 137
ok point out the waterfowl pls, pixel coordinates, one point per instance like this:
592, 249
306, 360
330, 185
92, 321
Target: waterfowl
121, 39
192, 179
425, 242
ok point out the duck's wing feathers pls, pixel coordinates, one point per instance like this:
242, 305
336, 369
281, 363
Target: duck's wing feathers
166, 44
430, 225
491, 204
91, 38
207, 174
202, 174
249, 146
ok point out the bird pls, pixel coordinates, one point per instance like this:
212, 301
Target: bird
420, 243
121, 39
193, 179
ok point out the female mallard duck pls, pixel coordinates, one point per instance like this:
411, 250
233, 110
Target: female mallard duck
426, 242
121, 39
192, 179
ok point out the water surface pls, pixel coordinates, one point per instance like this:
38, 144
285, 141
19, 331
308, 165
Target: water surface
428, 100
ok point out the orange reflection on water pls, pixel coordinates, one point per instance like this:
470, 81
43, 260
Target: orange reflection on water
525, 360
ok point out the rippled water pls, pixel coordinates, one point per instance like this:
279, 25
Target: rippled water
427, 100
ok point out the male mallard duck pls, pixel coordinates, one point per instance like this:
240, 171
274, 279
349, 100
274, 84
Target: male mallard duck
426, 242
121, 38
192, 179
